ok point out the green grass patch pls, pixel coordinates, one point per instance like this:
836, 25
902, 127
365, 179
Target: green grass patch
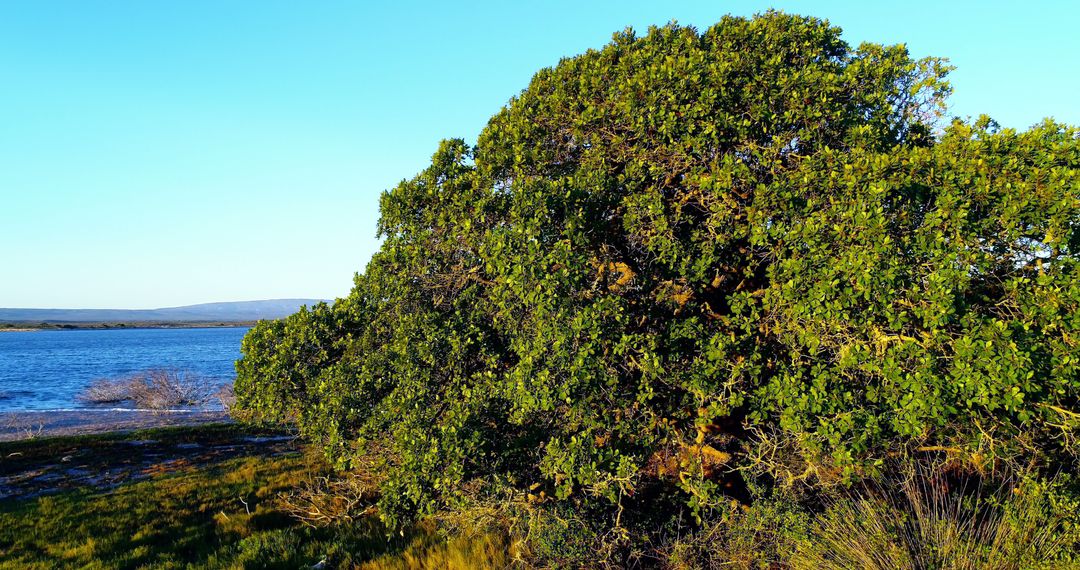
224, 514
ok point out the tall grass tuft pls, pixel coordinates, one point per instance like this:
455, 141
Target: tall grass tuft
931, 520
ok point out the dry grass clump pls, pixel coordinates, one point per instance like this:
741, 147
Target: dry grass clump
927, 520
153, 389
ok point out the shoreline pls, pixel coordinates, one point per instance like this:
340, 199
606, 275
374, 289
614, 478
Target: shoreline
121, 325
22, 425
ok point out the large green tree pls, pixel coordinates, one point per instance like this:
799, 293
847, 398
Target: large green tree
688, 253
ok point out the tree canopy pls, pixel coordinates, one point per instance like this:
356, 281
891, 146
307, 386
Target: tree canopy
692, 254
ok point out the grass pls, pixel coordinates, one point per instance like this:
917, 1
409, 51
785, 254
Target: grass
926, 520
227, 509
220, 515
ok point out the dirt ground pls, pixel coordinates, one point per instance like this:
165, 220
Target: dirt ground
16, 426
42, 466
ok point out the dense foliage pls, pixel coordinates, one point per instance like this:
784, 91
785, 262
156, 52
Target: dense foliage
692, 254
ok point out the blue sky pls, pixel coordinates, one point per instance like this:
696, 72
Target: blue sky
158, 154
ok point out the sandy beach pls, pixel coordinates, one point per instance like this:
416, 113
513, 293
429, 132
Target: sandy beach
24, 425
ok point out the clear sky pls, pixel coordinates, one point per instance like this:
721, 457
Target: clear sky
165, 153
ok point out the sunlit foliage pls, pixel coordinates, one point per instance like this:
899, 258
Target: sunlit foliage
752, 248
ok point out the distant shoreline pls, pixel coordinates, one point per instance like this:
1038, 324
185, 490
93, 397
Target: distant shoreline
48, 326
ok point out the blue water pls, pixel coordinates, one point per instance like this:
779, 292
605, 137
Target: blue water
46, 370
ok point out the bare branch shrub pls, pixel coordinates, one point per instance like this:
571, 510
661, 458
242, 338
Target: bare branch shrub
106, 391
153, 389
226, 396
19, 428
33, 432
330, 500
157, 389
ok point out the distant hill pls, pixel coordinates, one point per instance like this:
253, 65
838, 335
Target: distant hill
240, 311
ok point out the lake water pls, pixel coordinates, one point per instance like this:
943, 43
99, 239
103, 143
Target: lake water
46, 370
